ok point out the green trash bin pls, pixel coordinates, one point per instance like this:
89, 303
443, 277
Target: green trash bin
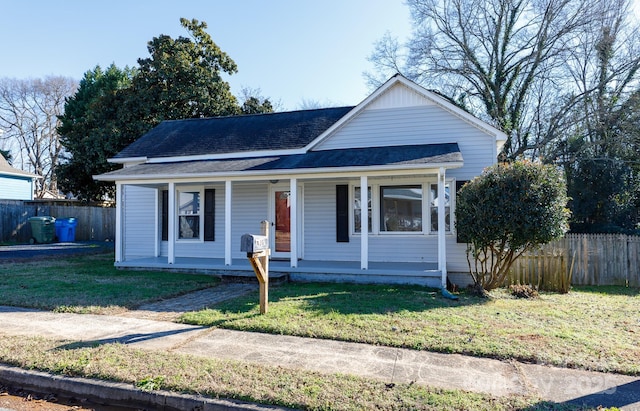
42, 229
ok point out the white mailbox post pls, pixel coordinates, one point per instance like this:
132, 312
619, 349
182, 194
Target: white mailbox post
258, 252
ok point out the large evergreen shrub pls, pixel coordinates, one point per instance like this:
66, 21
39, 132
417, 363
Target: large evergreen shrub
506, 211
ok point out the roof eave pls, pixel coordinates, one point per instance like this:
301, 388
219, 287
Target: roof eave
127, 160
20, 174
326, 171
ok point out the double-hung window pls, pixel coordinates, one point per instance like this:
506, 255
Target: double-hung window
433, 207
189, 215
195, 214
357, 209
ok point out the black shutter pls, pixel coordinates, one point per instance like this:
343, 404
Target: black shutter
342, 213
209, 214
459, 185
165, 215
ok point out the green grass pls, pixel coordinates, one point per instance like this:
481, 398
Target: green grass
306, 390
89, 284
590, 328
596, 327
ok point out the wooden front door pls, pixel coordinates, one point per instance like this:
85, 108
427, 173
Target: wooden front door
281, 246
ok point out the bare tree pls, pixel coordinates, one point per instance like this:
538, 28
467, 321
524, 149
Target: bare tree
503, 60
605, 67
29, 111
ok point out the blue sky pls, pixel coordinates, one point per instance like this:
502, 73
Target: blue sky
294, 51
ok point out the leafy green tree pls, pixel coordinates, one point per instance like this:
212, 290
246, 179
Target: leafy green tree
253, 105
509, 209
94, 128
182, 78
603, 195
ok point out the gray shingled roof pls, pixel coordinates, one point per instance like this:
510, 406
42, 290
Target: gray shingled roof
221, 135
424, 154
5, 168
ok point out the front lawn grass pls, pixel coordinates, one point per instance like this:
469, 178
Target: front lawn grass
305, 390
595, 328
89, 284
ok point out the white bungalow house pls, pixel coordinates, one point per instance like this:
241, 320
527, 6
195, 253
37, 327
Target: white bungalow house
15, 184
189, 189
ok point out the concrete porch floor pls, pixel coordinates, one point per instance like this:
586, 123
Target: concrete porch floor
308, 270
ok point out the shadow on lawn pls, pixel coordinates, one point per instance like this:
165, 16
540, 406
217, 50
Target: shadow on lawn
608, 290
357, 298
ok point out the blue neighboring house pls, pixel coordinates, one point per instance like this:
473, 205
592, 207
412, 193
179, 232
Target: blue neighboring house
15, 184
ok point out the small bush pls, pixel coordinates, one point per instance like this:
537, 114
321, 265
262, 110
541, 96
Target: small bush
523, 291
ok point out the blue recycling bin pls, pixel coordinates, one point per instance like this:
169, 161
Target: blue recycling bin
66, 229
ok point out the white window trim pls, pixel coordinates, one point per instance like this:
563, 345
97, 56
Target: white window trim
352, 214
451, 182
426, 209
422, 185
190, 189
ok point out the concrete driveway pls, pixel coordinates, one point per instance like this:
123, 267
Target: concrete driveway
22, 252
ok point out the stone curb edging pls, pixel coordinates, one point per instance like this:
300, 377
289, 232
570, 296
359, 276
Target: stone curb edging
119, 394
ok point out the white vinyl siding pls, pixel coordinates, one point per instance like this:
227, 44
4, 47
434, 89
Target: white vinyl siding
400, 96
320, 225
249, 207
427, 124
15, 188
139, 224
402, 248
456, 256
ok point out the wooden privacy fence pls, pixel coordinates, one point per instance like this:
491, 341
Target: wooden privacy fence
546, 268
94, 223
581, 259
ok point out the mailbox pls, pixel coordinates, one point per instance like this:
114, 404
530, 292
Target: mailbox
250, 243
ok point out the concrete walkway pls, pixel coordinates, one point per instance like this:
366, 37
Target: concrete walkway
392, 365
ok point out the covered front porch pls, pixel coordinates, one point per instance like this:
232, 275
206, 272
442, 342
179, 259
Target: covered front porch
426, 274
191, 215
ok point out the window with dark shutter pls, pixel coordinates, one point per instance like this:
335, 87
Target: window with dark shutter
209, 214
342, 213
164, 224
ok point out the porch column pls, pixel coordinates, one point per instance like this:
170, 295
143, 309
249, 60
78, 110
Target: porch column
119, 229
158, 229
293, 221
227, 222
364, 223
171, 229
442, 246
